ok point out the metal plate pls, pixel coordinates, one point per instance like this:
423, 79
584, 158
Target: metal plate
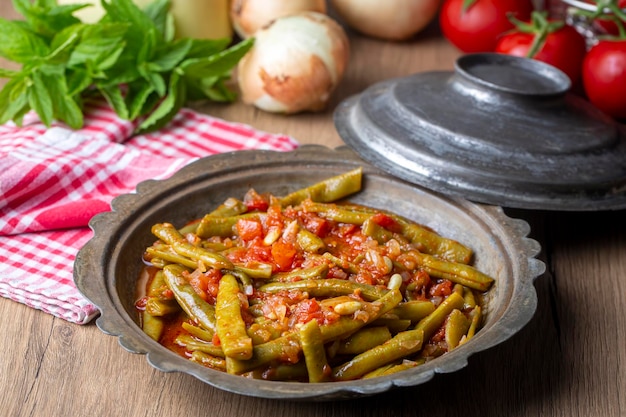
499, 129
107, 267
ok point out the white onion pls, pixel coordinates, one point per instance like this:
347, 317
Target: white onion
248, 16
295, 64
387, 19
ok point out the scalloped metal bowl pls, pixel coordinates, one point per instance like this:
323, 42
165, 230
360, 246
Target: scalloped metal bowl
107, 267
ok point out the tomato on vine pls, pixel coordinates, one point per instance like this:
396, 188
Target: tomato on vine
550, 41
604, 66
474, 25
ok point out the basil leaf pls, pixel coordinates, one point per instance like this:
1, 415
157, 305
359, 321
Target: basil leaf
39, 99
18, 44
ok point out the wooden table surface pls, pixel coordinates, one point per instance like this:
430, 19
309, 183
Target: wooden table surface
570, 360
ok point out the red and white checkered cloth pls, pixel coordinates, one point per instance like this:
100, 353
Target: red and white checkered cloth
52, 181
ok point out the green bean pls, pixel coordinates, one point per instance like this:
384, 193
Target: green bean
211, 225
171, 257
316, 272
413, 310
198, 332
363, 340
189, 228
458, 273
313, 351
192, 344
327, 191
167, 233
376, 232
258, 270
284, 372
476, 315
401, 345
434, 320
230, 207
309, 241
394, 324
231, 328
327, 288
434, 244
159, 307
343, 264
288, 347
208, 360
338, 213
457, 326
195, 307
153, 326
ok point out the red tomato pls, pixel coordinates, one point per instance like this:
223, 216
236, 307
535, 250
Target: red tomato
476, 28
606, 26
604, 77
565, 49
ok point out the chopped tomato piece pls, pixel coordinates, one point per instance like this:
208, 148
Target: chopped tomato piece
317, 225
383, 220
255, 201
283, 253
306, 311
249, 229
441, 289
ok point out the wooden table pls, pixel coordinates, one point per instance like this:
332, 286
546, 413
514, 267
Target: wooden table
570, 360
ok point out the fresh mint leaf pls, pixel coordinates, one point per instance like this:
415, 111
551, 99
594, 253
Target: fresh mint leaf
64, 106
137, 97
13, 98
217, 64
99, 43
47, 18
167, 57
158, 12
78, 80
5, 73
114, 97
167, 109
207, 47
141, 28
39, 98
18, 44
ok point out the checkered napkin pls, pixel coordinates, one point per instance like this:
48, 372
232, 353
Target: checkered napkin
52, 181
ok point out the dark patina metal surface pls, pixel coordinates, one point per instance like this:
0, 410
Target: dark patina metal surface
499, 129
107, 267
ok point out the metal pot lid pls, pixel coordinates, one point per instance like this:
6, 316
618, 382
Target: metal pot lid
499, 129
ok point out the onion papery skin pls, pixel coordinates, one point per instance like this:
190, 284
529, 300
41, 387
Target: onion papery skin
296, 63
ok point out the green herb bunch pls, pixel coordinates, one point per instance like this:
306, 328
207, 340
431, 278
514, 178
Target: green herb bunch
130, 57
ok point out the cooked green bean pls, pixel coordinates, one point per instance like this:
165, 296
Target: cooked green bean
195, 307
192, 344
458, 273
207, 360
327, 191
363, 340
313, 351
327, 288
434, 320
316, 272
296, 288
168, 233
231, 328
401, 345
